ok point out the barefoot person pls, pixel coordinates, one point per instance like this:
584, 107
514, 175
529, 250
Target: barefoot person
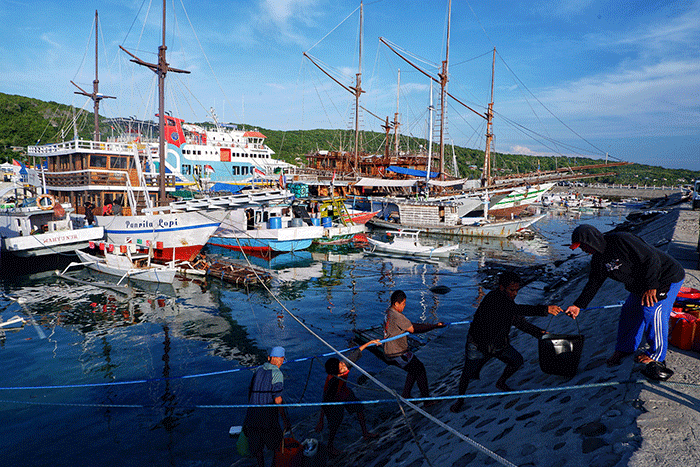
488, 335
396, 323
653, 279
336, 390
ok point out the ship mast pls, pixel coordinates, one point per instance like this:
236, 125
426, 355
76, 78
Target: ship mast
486, 179
161, 69
94, 95
396, 115
354, 90
443, 90
357, 91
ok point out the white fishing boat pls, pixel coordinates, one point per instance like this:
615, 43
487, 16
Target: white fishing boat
406, 243
433, 218
127, 266
38, 225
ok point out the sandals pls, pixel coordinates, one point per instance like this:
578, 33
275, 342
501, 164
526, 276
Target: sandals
657, 371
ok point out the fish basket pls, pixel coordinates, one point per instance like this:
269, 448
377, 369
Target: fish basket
560, 353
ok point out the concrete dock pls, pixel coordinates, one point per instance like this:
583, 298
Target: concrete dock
556, 421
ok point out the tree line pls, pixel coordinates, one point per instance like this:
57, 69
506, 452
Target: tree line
25, 121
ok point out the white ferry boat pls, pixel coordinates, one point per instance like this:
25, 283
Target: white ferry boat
221, 155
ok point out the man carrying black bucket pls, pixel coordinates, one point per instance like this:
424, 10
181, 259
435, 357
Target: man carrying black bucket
489, 331
653, 279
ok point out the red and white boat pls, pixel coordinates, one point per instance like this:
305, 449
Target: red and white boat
171, 235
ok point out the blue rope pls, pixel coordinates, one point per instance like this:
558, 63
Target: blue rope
199, 375
223, 372
365, 402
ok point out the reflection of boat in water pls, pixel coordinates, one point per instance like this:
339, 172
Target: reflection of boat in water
406, 243
274, 260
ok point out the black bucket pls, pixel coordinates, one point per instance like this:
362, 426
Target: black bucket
560, 353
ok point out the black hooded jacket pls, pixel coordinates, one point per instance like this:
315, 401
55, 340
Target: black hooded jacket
625, 258
493, 319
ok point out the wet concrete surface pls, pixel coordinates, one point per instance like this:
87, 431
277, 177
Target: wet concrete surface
559, 421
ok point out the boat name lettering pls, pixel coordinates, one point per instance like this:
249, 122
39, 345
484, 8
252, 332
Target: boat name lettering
161, 224
61, 238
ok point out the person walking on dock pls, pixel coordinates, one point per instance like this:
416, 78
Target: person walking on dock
653, 279
261, 424
488, 335
397, 352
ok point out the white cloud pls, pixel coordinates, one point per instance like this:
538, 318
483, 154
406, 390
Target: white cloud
285, 16
45, 37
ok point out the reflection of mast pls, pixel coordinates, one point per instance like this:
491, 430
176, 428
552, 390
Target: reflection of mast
94, 95
161, 69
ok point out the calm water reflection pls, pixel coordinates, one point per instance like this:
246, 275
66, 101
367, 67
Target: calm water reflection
158, 347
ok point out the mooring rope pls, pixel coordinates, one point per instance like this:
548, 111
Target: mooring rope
377, 401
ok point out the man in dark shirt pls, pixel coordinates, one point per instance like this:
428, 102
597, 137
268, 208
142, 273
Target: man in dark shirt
652, 277
489, 332
89, 214
261, 425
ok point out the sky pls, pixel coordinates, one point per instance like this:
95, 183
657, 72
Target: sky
571, 77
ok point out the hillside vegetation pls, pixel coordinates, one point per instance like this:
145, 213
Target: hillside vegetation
25, 121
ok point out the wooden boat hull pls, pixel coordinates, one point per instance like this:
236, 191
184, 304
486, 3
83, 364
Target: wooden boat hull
363, 336
122, 266
498, 229
423, 251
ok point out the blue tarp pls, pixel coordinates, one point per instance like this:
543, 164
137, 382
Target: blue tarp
227, 187
412, 172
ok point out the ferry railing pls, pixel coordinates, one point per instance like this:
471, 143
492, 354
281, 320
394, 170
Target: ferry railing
82, 146
99, 177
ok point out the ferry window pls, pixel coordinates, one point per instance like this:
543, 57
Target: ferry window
186, 169
245, 170
199, 152
117, 162
98, 161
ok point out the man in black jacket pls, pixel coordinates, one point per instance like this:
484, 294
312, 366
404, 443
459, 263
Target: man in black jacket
489, 332
652, 277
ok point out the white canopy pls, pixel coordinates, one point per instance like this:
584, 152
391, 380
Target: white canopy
385, 182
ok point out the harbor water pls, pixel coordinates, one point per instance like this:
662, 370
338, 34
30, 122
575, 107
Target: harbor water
98, 377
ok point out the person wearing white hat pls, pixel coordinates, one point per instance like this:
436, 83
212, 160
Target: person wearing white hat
261, 425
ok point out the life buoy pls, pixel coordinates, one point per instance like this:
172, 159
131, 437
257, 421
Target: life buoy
45, 207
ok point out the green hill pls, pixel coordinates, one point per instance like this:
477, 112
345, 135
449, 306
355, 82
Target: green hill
25, 121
